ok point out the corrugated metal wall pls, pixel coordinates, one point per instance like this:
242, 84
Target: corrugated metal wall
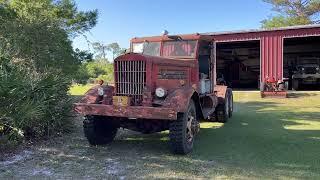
271, 56
271, 47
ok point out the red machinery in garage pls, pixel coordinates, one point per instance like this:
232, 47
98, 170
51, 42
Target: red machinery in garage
274, 88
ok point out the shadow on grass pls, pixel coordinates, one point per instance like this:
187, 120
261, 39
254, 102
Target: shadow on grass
300, 94
260, 136
262, 139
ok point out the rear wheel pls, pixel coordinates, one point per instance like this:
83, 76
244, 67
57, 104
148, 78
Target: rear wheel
99, 130
230, 103
183, 130
223, 110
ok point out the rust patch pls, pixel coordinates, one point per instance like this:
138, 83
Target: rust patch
179, 99
137, 112
92, 96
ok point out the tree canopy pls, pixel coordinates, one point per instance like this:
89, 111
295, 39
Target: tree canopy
63, 13
101, 50
38, 63
293, 12
38, 33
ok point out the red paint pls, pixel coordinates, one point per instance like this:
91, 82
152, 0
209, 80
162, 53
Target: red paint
271, 57
271, 45
275, 94
179, 76
126, 112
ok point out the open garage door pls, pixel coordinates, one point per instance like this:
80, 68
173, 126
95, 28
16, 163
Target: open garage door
238, 64
301, 62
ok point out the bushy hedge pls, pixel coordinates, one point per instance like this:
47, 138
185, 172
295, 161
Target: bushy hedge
35, 75
32, 104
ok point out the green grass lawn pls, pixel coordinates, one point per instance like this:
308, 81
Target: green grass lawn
79, 89
265, 139
275, 138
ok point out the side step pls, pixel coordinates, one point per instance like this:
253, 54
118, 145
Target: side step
274, 94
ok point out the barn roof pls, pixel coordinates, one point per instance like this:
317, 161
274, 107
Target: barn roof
263, 30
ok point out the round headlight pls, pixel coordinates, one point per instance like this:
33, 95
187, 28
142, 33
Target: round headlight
160, 92
100, 91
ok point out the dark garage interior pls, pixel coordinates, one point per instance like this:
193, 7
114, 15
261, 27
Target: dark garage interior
301, 62
238, 63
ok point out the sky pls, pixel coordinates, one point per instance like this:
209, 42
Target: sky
121, 20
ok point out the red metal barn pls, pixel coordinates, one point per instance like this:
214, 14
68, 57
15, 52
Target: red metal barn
246, 58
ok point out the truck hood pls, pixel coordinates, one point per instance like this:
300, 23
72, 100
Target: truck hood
157, 60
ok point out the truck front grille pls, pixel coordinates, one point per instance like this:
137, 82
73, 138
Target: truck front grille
130, 80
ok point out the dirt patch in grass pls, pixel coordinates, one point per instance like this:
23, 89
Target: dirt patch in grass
131, 155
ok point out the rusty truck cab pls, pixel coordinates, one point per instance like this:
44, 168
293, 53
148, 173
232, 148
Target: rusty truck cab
162, 82
176, 52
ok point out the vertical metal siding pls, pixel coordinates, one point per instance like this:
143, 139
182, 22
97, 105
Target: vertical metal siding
271, 57
271, 47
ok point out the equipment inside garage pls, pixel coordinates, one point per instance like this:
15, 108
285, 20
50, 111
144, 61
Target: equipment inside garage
238, 64
301, 62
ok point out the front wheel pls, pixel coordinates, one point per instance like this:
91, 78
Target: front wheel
99, 130
183, 130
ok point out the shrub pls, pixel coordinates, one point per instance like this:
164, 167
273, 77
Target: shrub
35, 104
98, 69
36, 39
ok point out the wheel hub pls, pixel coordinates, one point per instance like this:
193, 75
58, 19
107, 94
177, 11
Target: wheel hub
193, 128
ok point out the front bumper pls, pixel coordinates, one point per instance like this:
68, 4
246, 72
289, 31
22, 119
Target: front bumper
132, 112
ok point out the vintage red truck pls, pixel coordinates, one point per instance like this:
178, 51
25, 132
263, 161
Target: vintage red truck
165, 82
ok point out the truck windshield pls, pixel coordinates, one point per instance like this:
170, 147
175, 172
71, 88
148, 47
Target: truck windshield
184, 48
148, 48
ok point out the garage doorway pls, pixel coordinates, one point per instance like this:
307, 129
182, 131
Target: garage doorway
238, 64
301, 62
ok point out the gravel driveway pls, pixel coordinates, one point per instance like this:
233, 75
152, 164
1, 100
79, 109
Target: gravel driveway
131, 155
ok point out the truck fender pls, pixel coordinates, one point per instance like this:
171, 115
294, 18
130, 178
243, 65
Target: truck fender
180, 99
92, 96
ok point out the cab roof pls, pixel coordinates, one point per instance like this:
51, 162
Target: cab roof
196, 36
